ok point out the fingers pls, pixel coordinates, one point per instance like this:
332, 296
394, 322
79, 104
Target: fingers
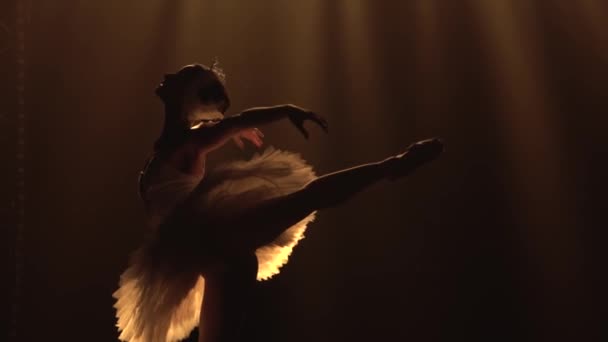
258, 142
255, 136
258, 133
302, 130
258, 137
320, 121
300, 115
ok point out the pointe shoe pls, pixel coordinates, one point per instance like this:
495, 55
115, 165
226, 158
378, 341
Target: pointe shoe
417, 154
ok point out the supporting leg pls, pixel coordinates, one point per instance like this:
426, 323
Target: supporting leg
228, 293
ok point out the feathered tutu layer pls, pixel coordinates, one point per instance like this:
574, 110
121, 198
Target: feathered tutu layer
160, 295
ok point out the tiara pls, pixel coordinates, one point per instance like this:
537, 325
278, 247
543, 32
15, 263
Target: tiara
217, 70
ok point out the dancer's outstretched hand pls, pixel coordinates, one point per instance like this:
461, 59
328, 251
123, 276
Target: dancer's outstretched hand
298, 115
254, 135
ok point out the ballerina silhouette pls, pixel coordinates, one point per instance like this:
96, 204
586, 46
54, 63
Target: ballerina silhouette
212, 234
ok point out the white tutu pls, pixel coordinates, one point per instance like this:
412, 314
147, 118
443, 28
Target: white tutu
160, 294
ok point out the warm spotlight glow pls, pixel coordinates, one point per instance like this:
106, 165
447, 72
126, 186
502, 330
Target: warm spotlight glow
429, 58
530, 131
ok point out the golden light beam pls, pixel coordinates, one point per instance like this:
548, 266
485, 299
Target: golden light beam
298, 35
428, 51
595, 14
364, 76
530, 132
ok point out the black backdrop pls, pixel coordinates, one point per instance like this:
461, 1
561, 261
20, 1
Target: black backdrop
500, 240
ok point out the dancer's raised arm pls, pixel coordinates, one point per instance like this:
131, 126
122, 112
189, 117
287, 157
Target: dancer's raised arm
263, 115
211, 137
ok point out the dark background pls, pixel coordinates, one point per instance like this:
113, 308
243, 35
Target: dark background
502, 239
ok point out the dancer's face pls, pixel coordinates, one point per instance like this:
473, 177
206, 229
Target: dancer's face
194, 88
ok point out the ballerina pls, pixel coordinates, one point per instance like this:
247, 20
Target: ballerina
212, 234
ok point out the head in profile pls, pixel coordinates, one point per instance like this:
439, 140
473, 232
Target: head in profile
194, 93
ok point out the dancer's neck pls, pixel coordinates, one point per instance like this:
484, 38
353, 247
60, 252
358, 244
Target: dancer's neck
172, 125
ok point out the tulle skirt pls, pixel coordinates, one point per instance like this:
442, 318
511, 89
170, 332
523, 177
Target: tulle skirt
160, 293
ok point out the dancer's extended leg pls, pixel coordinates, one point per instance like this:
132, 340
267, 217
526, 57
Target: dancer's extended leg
263, 223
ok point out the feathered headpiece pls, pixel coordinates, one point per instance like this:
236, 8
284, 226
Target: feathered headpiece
217, 70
